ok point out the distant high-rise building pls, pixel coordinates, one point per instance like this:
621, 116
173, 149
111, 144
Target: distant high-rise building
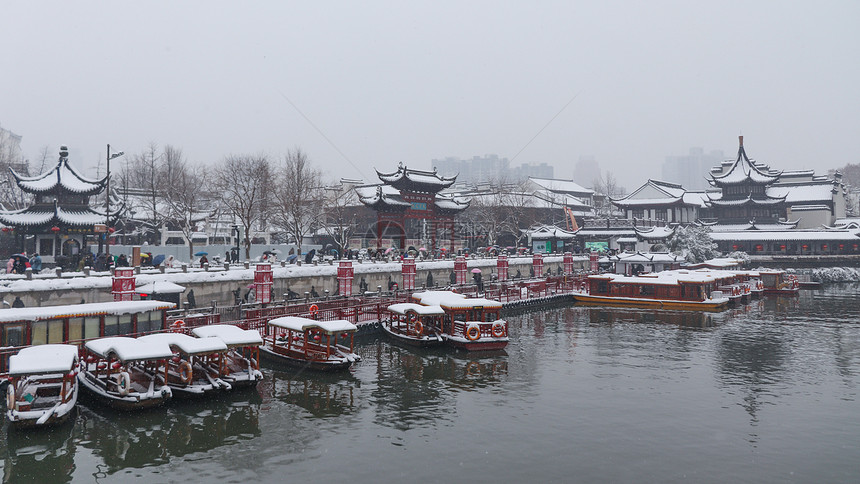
586, 171
688, 170
480, 169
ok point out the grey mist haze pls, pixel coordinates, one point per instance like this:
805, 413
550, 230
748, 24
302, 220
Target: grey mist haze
411, 81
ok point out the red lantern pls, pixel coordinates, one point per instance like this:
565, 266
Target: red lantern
758, 247
824, 247
111, 230
316, 337
734, 247
55, 229
6, 229
781, 247
841, 246
805, 246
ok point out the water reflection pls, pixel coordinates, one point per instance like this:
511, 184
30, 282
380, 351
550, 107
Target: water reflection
45, 455
320, 394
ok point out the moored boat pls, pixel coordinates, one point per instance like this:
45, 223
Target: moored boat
472, 324
676, 289
239, 366
415, 325
43, 388
186, 371
780, 283
122, 372
311, 344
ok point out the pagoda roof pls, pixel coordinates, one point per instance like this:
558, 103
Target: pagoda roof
743, 170
381, 197
748, 201
38, 216
655, 233
61, 177
416, 180
451, 204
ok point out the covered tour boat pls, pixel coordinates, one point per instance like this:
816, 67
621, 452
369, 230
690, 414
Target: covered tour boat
415, 325
317, 345
676, 289
780, 283
126, 373
239, 366
42, 387
472, 324
186, 371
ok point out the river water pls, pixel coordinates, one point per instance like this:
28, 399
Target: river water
760, 393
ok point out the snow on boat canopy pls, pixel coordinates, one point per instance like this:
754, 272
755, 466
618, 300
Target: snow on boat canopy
160, 287
403, 308
433, 298
295, 323
187, 344
81, 310
51, 358
472, 302
129, 349
229, 334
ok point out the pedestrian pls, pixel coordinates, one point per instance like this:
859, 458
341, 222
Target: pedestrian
17, 303
10, 266
227, 257
36, 263
122, 261
203, 260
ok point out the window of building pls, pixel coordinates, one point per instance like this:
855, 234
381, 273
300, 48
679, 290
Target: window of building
638, 213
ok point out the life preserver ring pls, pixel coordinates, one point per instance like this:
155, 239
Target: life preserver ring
473, 333
314, 309
10, 397
123, 383
185, 372
178, 326
419, 327
473, 368
498, 330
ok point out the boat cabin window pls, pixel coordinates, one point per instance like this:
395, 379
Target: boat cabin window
116, 325
13, 335
47, 332
148, 321
83, 328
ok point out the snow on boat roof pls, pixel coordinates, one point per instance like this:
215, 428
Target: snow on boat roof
668, 277
401, 308
129, 349
80, 310
295, 323
229, 334
43, 359
432, 298
160, 287
187, 344
470, 303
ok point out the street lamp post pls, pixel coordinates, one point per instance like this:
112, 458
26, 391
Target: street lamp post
107, 199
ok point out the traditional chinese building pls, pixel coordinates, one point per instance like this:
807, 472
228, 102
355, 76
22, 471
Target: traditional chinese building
61, 217
410, 210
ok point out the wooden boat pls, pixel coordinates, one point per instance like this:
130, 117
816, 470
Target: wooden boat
415, 325
780, 283
309, 343
122, 372
239, 366
676, 289
472, 324
187, 372
42, 387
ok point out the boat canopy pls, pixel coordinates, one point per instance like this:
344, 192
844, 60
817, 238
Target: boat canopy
468, 303
295, 323
433, 298
229, 334
81, 310
403, 308
52, 358
129, 349
187, 344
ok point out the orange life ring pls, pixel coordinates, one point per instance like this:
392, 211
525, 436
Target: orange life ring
178, 326
185, 372
473, 333
419, 328
313, 309
499, 330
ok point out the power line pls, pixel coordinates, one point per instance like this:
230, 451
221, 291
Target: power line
545, 126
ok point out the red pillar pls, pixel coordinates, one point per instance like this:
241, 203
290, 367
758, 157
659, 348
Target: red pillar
568, 263
123, 285
537, 264
502, 267
263, 283
408, 271
460, 269
345, 276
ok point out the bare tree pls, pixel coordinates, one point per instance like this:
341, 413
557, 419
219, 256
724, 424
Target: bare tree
184, 190
299, 196
244, 182
606, 187
145, 174
338, 217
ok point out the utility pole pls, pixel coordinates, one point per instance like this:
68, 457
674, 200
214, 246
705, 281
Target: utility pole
107, 200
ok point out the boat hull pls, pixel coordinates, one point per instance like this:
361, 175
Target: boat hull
591, 300
267, 354
130, 402
36, 419
482, 344
408, 340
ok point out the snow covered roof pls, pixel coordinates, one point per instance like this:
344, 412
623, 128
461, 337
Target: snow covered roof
50, 358
295, 323
56, 215
743, 170
817, 192
61, 176
129, 349
850, 236
187, 344
402, 308
433, 298
561, 186
230, 335
160, 287
549, 232
670, 278
653, 192
416, 180
378, 196
627, 240
753, 226
654, 233
469, 302
649, 257
81, 310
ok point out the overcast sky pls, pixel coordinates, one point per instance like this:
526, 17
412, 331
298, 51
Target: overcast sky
384, 82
